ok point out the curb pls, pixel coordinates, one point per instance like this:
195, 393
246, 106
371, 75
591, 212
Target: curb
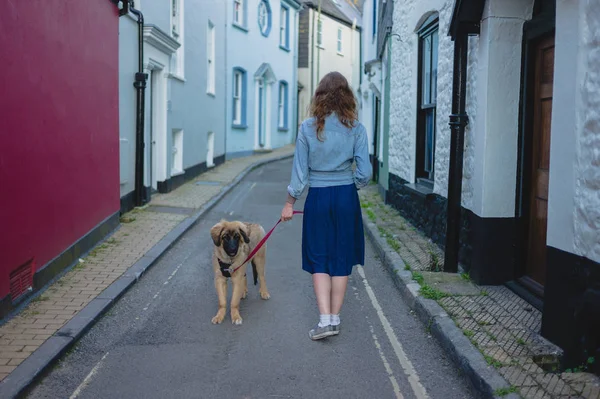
17, 382
483, 377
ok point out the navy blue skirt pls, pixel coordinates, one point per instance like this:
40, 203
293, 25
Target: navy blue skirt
333, 238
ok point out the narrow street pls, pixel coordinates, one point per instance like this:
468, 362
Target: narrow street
158, 341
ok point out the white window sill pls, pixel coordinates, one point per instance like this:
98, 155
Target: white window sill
211, 93
320, 46
340, 54
178, 77
176, 172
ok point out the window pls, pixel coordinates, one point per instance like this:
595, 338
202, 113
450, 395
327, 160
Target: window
427, 98
339, 40
239, 97
319, 33
177, 59
284, 22
177, 156
283, 101
239, 16
210, 57
374, 18
175, 18
264, 17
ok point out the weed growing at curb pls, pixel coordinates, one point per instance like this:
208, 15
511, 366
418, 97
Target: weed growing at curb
468, 333
406, 266
492, 362
432, 293
505, 391
466, 276
371, 215
418, 277
393, 243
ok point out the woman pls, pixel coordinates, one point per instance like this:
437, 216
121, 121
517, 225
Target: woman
332, 229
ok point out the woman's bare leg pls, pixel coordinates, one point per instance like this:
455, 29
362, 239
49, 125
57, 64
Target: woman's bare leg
338, 291
322, 285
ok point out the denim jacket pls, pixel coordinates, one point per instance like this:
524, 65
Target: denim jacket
329, 162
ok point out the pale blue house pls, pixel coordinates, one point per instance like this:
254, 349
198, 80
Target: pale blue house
184, 126
261, 75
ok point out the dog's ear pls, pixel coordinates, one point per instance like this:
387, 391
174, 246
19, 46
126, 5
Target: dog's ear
244, 234
215, 233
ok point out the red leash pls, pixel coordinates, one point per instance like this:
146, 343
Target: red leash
259, 245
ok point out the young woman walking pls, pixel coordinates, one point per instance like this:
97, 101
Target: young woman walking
332, 229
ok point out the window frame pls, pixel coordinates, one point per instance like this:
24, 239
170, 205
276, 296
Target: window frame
427, 110
243, 23
266, 29
340, 43
282, 109
284, 27
177, 32
239, 94
210, 59
320, 32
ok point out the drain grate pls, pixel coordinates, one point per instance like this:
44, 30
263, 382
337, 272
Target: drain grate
21, 280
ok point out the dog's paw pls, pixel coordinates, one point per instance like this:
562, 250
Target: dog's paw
237, 320
265, 295
245, 295
218, 319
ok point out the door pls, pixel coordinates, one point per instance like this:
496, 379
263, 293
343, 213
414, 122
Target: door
543, 55
375, 160
153, 127
149, 137
261, 112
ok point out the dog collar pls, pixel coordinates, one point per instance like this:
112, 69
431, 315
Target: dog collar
225, 270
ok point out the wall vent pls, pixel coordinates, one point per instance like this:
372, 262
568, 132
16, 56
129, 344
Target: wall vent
21, 280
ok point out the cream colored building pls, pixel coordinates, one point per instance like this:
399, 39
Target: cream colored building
329, 41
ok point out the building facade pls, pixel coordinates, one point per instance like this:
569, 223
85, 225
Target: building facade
59, 158
515, 176
184, 129
261, 93
329, 42
373, 95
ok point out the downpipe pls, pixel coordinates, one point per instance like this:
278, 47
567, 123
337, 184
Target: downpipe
140, 86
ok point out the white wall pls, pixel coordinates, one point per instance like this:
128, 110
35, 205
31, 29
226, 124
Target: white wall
574, 192
369, 53
408, 16
347, 63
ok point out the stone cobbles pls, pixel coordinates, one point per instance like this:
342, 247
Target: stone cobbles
504, 327
140, 230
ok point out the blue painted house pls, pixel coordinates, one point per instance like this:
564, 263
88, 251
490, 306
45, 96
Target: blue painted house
185, 95
261, 75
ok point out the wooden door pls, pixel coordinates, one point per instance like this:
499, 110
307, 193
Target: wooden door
543, 53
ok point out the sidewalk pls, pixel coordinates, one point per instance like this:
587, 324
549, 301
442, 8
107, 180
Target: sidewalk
503, 342
144, 234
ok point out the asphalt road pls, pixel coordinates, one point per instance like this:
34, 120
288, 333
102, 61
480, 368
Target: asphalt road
158, 341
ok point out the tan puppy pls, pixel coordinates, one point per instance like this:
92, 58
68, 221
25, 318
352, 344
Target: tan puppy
233, 243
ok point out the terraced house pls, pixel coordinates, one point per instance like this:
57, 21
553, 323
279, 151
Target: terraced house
511, 187
329, 40
172, 95
261, 40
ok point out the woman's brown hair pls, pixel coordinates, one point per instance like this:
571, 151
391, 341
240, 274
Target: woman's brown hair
333, 95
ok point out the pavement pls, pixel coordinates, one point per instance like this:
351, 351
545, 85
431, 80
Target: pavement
157, 341
56, 317
492, 333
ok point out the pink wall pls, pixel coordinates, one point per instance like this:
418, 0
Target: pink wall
59, 138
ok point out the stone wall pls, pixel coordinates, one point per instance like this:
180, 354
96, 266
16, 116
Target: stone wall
408, 15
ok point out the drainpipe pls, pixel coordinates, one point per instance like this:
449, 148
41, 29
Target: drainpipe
312, 55
140, 85
458, 121
319, 48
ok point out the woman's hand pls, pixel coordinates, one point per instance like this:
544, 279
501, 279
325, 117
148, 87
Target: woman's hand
288, 212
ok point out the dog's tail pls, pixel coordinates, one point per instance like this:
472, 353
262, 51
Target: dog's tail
254, 273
